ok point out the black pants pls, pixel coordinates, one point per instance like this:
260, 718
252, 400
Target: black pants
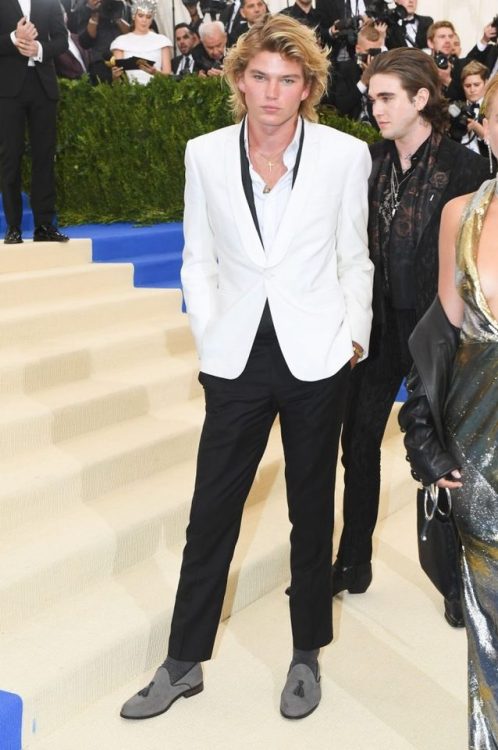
239, 416
373, 388
34, 108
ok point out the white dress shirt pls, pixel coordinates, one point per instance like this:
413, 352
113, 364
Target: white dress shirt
270, 206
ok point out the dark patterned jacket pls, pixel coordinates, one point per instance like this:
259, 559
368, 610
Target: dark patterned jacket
458, 171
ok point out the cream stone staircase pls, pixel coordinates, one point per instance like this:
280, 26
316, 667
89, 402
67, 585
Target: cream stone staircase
100, 418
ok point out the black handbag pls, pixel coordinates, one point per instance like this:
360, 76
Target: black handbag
439, 544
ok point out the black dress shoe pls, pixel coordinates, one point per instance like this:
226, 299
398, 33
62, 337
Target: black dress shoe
453, 613
48, 233
355, 578
13, 236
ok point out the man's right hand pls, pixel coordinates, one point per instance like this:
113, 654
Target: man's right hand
489, 34
26, 30
94, 4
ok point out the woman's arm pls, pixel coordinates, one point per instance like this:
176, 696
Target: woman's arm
448, 294
447, 290
166, 61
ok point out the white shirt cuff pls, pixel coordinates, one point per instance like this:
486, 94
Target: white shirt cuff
39, 56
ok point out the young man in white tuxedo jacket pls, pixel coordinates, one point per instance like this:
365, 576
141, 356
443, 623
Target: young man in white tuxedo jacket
278, 285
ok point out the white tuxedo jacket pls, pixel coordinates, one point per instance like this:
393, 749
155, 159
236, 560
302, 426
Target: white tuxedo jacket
317, 275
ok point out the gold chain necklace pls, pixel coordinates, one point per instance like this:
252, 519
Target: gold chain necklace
270, 163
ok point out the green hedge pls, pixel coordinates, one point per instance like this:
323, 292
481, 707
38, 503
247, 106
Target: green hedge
120, 148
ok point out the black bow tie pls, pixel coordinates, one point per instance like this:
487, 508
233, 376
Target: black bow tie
408, 21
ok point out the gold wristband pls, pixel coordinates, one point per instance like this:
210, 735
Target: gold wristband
358, 350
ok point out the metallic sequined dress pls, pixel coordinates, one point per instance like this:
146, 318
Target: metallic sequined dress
472, 426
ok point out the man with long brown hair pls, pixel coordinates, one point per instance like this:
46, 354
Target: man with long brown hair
277, 284
416, 170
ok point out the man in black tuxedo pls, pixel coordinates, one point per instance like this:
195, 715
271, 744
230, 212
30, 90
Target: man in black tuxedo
251, 11
440, 38
32, 33
186, 41
412, 31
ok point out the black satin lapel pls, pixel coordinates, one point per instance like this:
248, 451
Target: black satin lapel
246, 180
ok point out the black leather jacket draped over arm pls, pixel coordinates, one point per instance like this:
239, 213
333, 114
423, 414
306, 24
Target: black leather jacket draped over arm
432, 345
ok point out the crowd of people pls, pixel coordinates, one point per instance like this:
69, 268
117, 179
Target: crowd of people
310, 314
112, 39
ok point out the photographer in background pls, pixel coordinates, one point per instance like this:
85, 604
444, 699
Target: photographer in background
440, 37
349, 87
410, 31
98, 23
331, 11
213, 48
343, 32
486, 51
466, 127
192, 9
303, 11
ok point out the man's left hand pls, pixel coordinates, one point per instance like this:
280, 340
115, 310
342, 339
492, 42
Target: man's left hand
28, 48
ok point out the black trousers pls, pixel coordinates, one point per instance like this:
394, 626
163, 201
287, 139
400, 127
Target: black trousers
373, 388
32, 108
239, 416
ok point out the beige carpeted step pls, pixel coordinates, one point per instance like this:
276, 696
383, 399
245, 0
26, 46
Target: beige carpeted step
31, 322
31, 256
73, 282
65, 358
54, 414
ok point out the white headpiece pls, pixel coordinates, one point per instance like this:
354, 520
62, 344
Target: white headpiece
147, 6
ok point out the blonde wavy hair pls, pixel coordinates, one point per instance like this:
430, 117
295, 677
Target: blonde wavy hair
490, 93
293, 41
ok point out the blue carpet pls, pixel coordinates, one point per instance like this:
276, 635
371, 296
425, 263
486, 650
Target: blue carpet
10, 721
155, 251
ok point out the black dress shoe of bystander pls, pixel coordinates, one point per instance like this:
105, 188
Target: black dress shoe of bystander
13, 236
48, 233
453, 613
354, 578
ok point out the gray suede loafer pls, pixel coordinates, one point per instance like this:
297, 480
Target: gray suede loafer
158, 696
301, 693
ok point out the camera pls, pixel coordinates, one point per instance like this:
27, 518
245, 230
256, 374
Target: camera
362, 57
385, 12
460, 113
213, 7
444, 61
347, 30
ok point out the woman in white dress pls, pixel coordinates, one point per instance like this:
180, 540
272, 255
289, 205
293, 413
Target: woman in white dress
142, 42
